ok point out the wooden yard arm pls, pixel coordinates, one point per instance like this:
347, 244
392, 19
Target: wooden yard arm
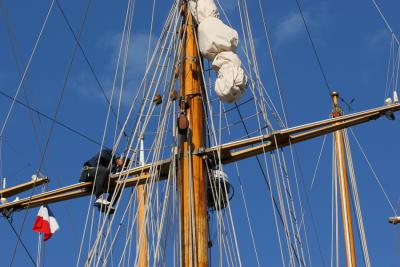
131, 178
239, 150
15, 190
229, 152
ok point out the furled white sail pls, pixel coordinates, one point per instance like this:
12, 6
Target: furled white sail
218, 43
202, 9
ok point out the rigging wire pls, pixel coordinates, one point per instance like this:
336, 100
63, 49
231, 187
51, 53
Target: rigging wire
389, 78
11, 108
63, 125
17, 59
385, 21
314, 225
260, 85
143, 108
89, 208
22, 242
55, 115
356, 201
373, 172
279, 211
318, 161
76, 38
243, 192
274, 65
314, 48
27, 67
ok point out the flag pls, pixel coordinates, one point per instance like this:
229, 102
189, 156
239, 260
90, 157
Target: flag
45, 222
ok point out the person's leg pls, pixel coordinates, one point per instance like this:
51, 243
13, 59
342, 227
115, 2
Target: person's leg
100, 180
117, 195
100, 185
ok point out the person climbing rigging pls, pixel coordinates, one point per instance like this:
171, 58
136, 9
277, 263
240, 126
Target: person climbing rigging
98, 169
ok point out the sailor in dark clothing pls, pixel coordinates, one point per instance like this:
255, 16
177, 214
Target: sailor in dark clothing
98, 169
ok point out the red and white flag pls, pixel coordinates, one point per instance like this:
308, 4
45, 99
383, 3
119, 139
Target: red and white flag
45, 222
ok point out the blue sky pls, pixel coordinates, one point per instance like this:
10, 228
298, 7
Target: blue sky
352, 42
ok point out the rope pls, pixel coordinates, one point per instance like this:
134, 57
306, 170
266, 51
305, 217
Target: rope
11, 108
274, 67
314, 48
14, 45
356, 201
145, 123
27, 68
374, 173
22, 243
385, 21
91, 68
243, 194
317, 165
103, 139
61, 124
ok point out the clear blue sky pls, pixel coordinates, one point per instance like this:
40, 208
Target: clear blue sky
353, 44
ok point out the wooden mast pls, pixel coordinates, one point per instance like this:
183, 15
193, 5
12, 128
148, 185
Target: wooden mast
141, 242
344, 188
193, 209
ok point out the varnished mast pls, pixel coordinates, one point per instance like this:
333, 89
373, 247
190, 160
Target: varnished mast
141, 241
194, 237
344, 188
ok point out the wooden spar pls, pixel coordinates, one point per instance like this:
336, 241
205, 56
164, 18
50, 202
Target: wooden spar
15, 190
230, 152
67, 193
141, 242
193, 206
347, 222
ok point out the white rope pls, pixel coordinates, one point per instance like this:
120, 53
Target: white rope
356, 200
317, 165
21, 82
127, 39
147, 116
89, 209
243, 198
302, 223
385, 21
274, 67
291, 206
390, 69
282, 208
374, 173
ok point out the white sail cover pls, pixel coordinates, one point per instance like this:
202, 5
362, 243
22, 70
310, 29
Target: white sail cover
202, 9
216, 37
231, 82
218, 42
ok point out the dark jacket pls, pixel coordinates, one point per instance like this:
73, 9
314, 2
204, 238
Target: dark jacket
106, 159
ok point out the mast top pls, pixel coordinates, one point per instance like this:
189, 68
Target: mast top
335, 97
337, 111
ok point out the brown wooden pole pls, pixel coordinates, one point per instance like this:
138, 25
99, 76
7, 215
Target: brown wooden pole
193, 209
141, 242
344, 189
141, 227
